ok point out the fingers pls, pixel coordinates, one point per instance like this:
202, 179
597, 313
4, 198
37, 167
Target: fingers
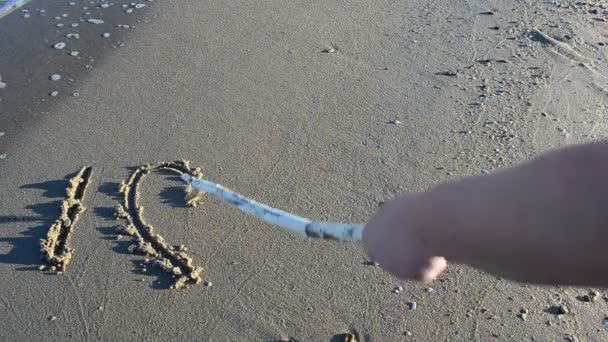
437, 265
414, 264
391, 241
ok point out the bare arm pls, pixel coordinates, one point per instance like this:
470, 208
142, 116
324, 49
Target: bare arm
545, 221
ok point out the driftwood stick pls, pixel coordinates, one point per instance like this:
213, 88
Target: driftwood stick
300, 225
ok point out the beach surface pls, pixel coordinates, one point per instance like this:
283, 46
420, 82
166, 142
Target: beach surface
324, 109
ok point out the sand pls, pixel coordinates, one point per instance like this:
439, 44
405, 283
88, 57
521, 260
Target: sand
56, 247
174, 261
324, 109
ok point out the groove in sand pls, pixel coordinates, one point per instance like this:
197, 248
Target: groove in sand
56, 247
171, 259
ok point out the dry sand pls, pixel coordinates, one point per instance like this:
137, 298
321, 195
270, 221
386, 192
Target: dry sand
321, 108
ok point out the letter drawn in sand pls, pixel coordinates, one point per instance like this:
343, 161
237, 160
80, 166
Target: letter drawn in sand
172, 260
56, 247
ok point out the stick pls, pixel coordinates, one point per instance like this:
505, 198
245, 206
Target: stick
300, 225
7, 7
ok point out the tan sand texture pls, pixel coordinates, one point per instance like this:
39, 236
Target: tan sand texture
174, 261
407, 95
56, 247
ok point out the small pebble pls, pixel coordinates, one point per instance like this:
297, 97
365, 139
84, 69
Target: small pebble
563, 310
74, 53
2, 85
398, 289
106, 35
104, 5
26, 15
59, 46
594, 295
138, 6
76, 94
74, 25
57, 18
2, 134
129, 10
413, 306
41, 267
55, 77
407, 333
605, 322
3, 156
585, 298
451, 73
52, 318
54, 93
73, 35
65, 15
59, 25
100, 308
395, 122
429, 289
95, 21
208, 283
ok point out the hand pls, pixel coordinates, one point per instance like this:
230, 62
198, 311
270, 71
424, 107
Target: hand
393, 240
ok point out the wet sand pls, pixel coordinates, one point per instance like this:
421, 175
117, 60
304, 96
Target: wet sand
321, 109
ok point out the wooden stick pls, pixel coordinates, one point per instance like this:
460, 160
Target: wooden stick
300, 225
7, 7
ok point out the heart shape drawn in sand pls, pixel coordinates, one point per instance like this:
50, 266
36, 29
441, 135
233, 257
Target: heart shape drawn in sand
169, 258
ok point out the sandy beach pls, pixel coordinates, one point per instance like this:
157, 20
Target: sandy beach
324, 109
